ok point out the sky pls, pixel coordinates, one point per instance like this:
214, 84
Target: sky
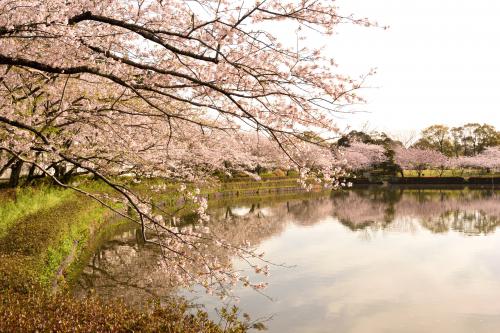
438, 63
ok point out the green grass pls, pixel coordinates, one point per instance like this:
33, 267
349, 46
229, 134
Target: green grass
37, 243
73, 236
451, 173
17, 204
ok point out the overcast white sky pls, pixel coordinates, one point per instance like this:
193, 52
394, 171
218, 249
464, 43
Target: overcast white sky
438, 63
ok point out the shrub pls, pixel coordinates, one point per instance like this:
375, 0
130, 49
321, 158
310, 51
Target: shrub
42, 312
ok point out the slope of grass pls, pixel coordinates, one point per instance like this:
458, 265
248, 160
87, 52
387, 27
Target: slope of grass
35, 246
16, 204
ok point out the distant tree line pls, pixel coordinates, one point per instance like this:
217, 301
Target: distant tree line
468, 140
439, 147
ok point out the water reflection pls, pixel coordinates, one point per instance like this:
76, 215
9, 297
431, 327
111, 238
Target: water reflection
373, 260
471, 212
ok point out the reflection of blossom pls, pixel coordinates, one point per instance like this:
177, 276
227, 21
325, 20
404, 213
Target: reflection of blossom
124, 267
357, 212
474, 212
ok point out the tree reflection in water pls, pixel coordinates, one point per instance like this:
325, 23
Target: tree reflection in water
472, 212
124, 267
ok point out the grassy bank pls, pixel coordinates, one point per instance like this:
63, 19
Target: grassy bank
38, 239
450, 173
16, 204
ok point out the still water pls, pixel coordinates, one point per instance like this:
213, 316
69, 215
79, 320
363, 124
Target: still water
371, 260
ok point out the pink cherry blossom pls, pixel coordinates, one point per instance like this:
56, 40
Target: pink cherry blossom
126, 90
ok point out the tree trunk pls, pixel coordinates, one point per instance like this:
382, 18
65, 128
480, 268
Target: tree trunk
7, 165
65, 178
31, 175
32, 169
15, 173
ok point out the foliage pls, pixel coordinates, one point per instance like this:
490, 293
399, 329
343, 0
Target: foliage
421, 159
39, 312
104, 112
435, 137
389, 167
375, 138
467, 140
439, 147
489, 159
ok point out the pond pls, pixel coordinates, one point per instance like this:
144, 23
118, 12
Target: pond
367, 260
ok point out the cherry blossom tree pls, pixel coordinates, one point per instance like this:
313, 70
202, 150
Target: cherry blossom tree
489, 160
361, 156
166, 88
114, 58
420, 159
